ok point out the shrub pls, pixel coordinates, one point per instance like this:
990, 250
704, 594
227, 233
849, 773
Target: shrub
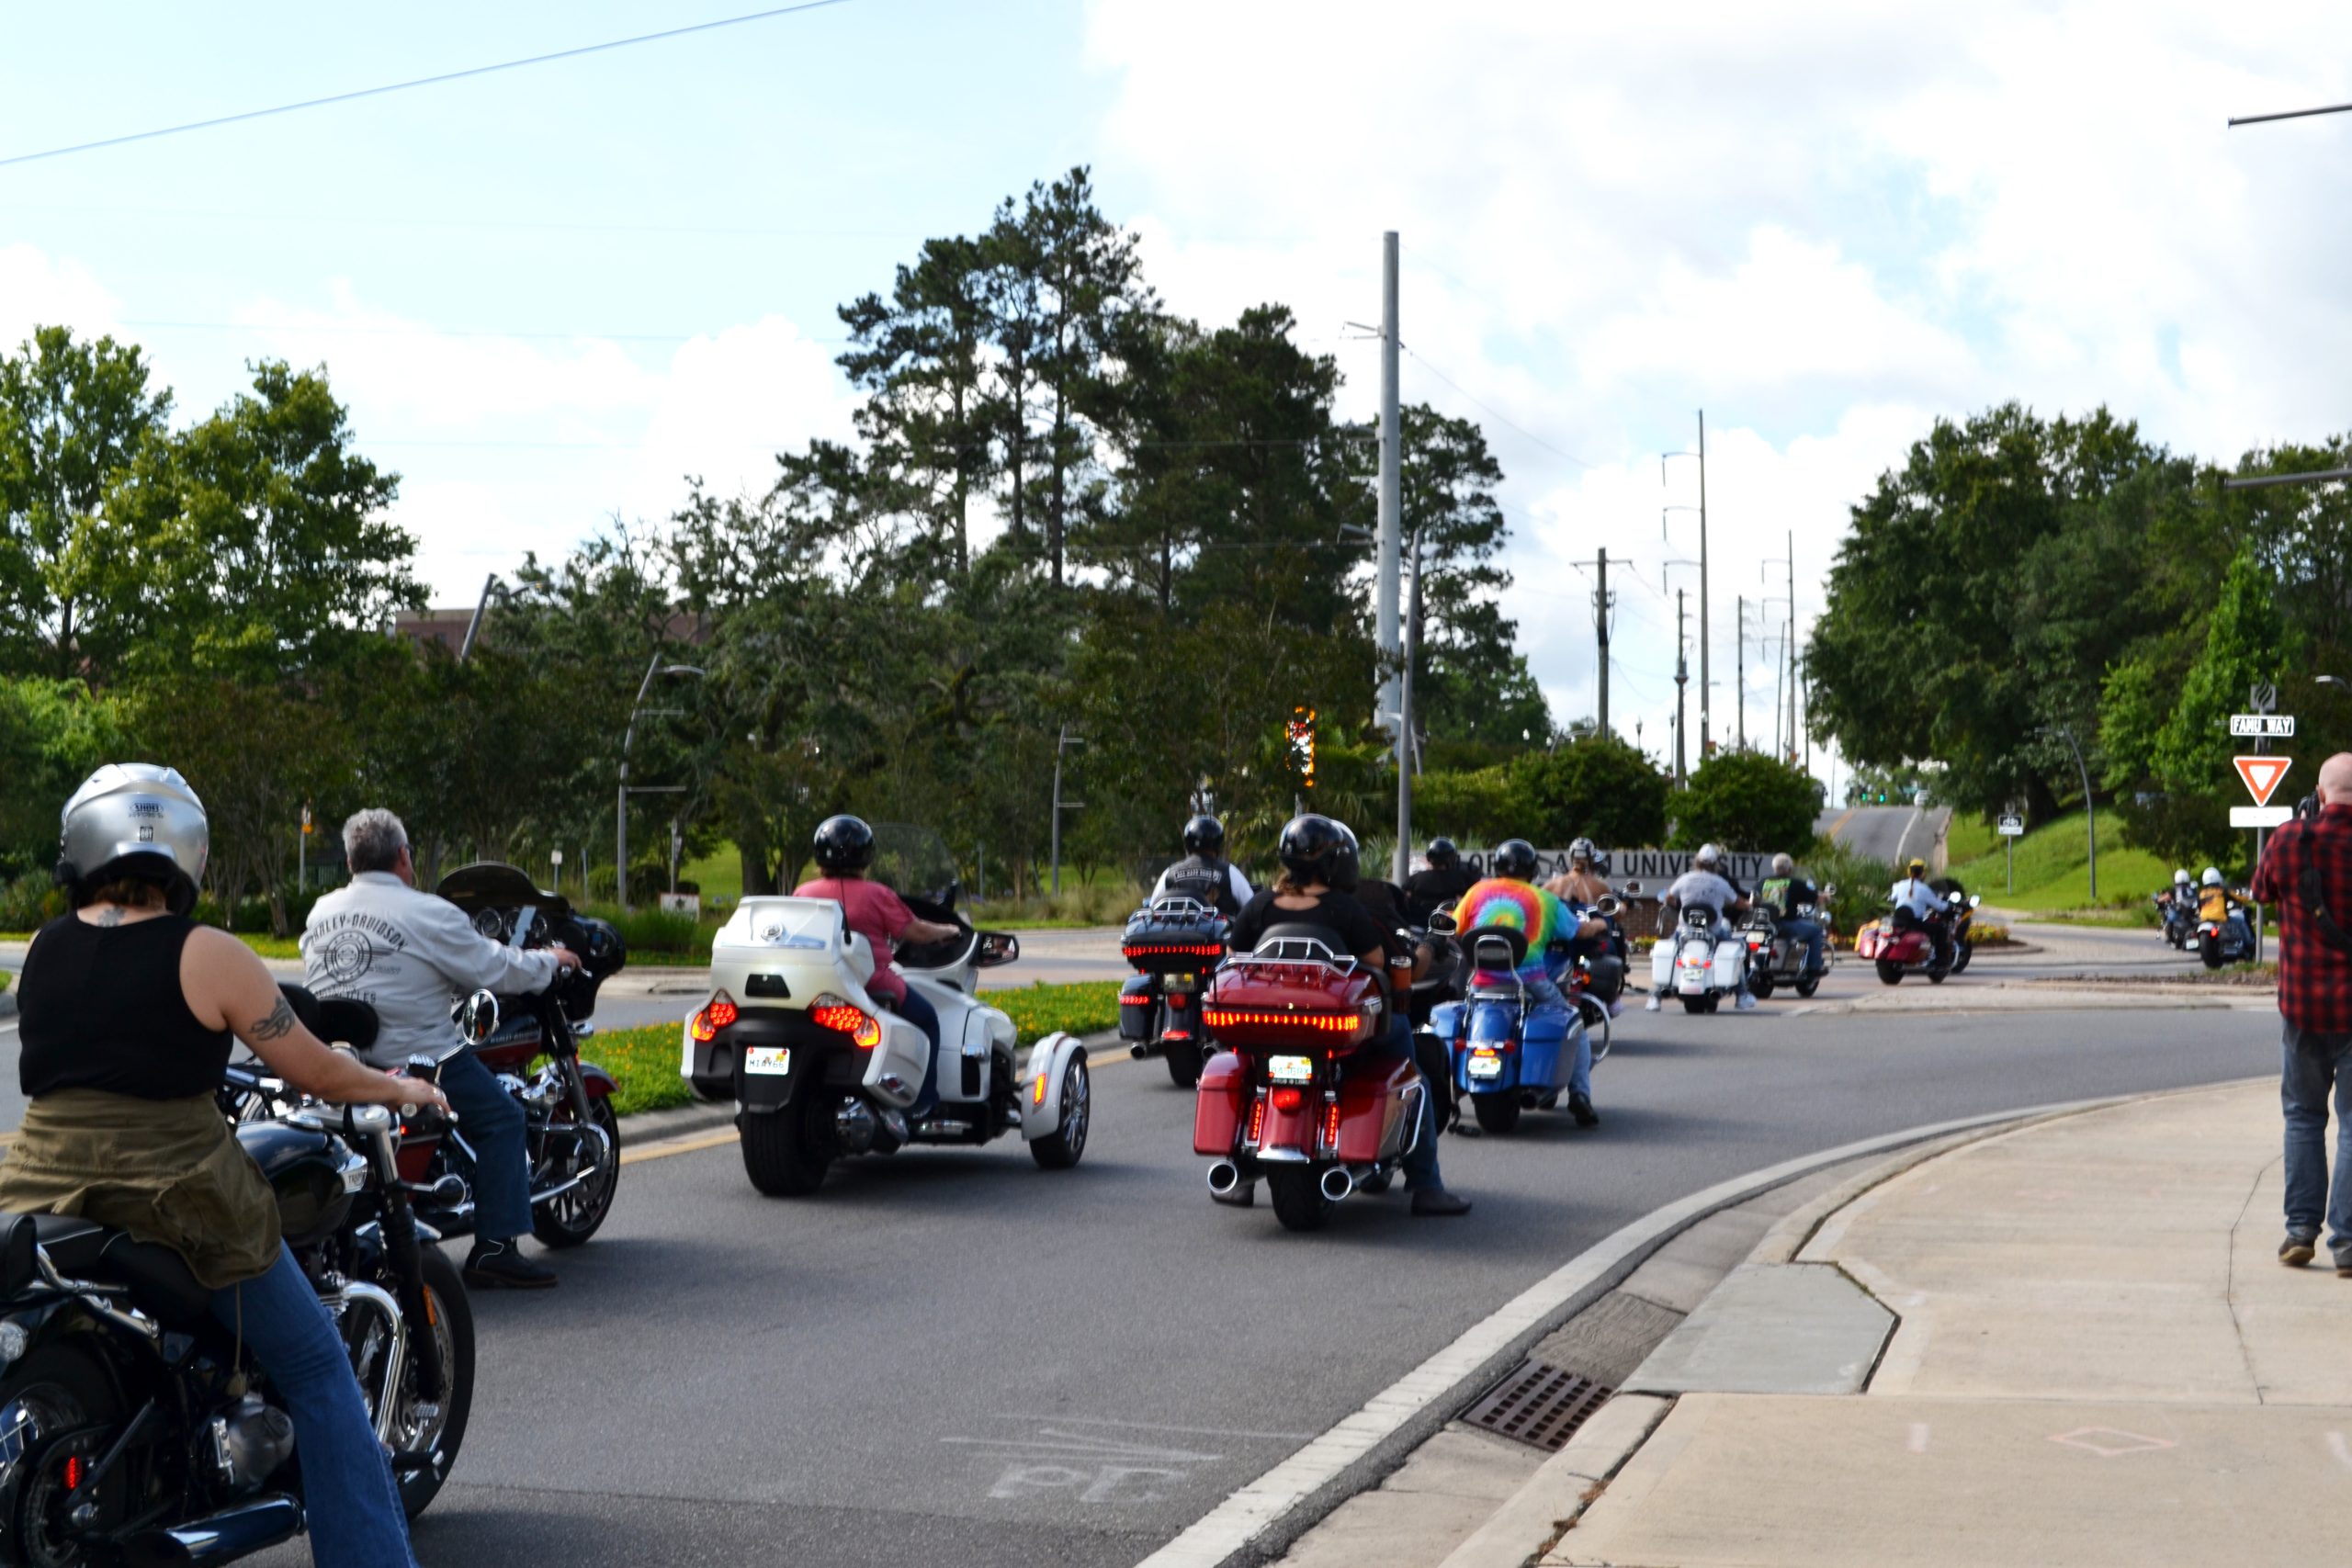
1746, 800
1599, 787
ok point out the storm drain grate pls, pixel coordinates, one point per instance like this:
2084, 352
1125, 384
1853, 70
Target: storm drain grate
1539, 1405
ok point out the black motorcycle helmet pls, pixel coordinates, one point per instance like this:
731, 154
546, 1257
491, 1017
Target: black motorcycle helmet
1316, 849
1445, 854
1515, 859
1204, 835
843, 843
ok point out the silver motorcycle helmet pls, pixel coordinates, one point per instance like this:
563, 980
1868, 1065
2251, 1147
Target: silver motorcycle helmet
135, 818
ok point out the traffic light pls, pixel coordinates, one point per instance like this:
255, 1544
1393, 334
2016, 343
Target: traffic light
1302, 743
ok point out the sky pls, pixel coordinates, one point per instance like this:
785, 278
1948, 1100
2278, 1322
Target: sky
548, 295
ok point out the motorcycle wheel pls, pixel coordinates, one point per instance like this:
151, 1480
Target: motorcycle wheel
1495, 1112
1808, 984
2210, 951
572, 1219
1760, 984
80, 1415
1596, 1024
1299, 1202
1060, 1149
1184, 1065
784, 1152
1695, 1004
1938, 976
1960, 960
439, 1428
1890, 972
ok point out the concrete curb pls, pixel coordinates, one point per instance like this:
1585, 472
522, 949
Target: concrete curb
7, 1004
1260, 1520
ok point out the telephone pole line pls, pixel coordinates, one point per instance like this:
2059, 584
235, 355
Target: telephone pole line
1681, 680
1740, 659
1604, 607
1705, 677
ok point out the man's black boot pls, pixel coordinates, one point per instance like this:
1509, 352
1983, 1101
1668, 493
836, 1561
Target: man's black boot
1580, 1107
501, 1265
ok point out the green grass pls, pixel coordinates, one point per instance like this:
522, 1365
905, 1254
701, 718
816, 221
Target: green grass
1082, 1007
2053, 873
644, 1063
1969, 838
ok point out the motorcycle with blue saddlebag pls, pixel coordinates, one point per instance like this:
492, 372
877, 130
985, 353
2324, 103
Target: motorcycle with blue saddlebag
821, 1072
1505, 1059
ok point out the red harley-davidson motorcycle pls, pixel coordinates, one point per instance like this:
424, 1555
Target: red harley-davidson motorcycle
1305, 1091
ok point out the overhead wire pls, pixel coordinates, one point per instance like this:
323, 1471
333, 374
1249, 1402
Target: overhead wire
418, 82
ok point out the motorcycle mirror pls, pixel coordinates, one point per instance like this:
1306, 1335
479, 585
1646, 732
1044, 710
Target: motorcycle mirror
1830, 891
1633, 890
1442, 922
1608, 904
478, 1018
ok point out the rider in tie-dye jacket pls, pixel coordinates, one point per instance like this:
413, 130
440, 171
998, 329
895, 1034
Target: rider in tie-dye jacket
1509, 897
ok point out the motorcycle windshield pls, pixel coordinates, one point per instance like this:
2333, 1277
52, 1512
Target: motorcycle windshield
915, 863
493, 884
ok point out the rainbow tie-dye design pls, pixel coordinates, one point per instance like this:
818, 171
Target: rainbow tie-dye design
1500, 901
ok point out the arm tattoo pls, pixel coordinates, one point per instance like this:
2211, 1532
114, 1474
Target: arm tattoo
276, 1026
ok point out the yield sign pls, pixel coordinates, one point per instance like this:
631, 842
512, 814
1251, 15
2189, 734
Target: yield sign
2262, 776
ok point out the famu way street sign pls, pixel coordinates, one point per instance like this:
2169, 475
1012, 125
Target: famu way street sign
2263, 726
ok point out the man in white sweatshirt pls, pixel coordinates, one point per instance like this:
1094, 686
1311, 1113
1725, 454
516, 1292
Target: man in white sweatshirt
410, 955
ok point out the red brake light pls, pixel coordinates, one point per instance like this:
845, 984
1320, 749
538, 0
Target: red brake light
720, 1012
848, 1018
1288, 1099
1329, 1022
1256, 1119
1180, 1001
1331, 1126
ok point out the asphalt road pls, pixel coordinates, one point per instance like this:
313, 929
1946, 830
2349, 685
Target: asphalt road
955, 1356
1889, 833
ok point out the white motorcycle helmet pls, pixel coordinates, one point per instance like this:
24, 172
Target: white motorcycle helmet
1709, 857
138, 819
2181, 878
2212, 877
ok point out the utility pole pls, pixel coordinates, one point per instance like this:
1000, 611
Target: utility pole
1681, 680
1705, 674
1792, 754
1601, 608
1741, 660
1062, 744
1391, 520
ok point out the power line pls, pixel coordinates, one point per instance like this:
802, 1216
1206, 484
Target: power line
418, 82
1450, 381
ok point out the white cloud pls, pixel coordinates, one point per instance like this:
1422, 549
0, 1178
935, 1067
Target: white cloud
39, 290
1827, 225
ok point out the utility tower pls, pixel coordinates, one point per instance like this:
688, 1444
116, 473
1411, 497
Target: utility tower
1681, 680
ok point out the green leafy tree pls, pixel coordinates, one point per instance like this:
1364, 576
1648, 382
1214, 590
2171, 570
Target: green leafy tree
1748, 801
53, 734
73, 416
269, 549
1599, 787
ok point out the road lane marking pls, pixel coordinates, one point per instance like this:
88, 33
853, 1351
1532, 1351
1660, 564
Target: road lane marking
1917, 813
1156, 1427
682, 1145
2340, 1449
1918, 1444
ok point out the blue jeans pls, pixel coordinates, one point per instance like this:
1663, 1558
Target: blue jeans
916, 1009
1797, 926
492, 1126
1544, 996
353, 1508
2314, 1069
1420, 1166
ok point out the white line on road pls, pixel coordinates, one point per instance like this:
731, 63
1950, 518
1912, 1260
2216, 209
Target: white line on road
1154, 1427
2340, 1449
1918, 1444
1917, 813
1233, 1526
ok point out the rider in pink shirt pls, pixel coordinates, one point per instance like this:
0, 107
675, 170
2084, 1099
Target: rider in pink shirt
844, 849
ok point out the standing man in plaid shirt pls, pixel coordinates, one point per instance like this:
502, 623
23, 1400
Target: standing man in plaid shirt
2306, 875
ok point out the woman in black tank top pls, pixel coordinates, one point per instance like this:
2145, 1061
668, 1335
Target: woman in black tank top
127, 1011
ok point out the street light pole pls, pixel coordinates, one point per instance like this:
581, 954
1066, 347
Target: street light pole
2090, 812
654, 667
1063, 743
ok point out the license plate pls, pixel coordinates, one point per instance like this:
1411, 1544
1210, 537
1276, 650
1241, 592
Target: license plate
1290, 1069
768, 1059
1177, 985
1486, 1067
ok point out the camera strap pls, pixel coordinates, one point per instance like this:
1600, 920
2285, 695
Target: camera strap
2307, 884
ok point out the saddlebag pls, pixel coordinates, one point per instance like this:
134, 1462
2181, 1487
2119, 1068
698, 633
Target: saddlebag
1136, 999
1216, 1109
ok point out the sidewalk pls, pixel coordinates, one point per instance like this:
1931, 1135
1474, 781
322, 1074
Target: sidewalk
2071, 1343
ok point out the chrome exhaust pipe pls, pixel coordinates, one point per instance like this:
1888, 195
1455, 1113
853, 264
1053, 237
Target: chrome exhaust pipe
1134, 1052
1337, 1184
240, 1531
1223, 1177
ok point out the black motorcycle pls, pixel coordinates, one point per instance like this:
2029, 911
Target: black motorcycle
2178, 915
1174, 943
572, 1133
134, 1428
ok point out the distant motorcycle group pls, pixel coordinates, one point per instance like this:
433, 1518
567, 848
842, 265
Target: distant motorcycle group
2209, 916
